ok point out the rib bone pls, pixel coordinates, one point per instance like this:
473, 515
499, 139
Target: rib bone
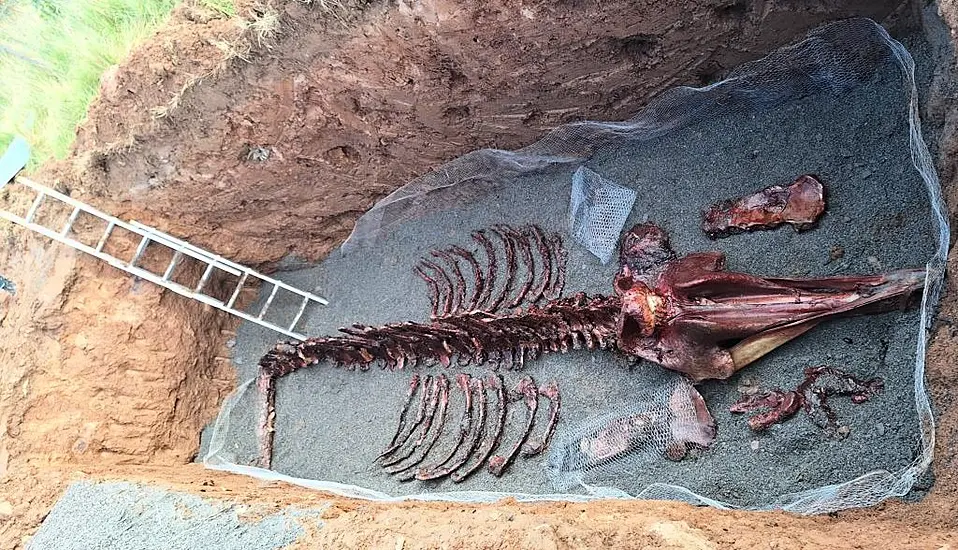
476, 430
434, 394
487, 446
427, 387
510, 249
478, 279
465, 424
481, 238
413, 385
438, 427
551, 392
527, 392
546, 257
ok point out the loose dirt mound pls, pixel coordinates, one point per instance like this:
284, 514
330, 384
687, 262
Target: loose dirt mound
258, 152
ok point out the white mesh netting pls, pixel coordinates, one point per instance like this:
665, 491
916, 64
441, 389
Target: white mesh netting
597, 211
605, 452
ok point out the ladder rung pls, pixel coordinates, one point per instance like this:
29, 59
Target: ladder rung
139, 250
268, 302
34, 207
70, 222
180, 250
106, 235
239, 287
302, 308
169, 269
204, 278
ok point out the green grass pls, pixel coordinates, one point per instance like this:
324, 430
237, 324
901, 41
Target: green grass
52, 54
225, 7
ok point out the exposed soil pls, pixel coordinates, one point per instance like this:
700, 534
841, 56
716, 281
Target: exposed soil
280, 155
103, 376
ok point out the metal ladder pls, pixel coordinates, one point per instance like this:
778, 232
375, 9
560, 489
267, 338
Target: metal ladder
180, 250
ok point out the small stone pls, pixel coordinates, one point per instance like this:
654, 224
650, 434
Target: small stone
256, 153
846, 219
747, 386
231, 343
835, 253
754, 444
843, 431
874, 263
6, 509
880, 429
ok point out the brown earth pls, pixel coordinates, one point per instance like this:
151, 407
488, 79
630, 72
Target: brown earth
104, 377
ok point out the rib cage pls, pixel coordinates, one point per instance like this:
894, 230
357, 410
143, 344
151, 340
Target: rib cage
476, 337
534, 271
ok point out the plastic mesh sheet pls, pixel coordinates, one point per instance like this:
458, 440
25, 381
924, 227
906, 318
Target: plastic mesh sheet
831, 65
597, 211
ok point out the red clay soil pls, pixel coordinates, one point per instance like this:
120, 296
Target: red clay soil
276, 150
349, 112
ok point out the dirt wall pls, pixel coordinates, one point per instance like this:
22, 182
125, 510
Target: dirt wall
283, 148
277, 149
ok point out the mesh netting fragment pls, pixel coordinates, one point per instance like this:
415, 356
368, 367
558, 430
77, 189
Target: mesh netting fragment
597, 212
658, 424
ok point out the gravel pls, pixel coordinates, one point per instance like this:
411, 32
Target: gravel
121, 516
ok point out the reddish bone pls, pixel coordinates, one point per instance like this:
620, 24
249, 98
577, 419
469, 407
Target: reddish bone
447, 287
435, 392
510, 248
527, 392
413, 385
481, 238
459, 292
525, 248
687, 314
476, 429
536, 446
782, 405
436, 432
465, 425
546, 255
692, 316
433, 289
427, 387
562, 258
488, 446
479, 282
800, 204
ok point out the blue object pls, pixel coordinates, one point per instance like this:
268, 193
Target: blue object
6, 284
14, 159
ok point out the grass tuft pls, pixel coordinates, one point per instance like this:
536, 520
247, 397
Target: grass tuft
52, 56
223, 7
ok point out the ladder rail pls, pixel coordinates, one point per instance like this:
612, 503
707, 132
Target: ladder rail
144, 274
180, 248
173, 242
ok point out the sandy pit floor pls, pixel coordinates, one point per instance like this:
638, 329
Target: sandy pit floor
331, 422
